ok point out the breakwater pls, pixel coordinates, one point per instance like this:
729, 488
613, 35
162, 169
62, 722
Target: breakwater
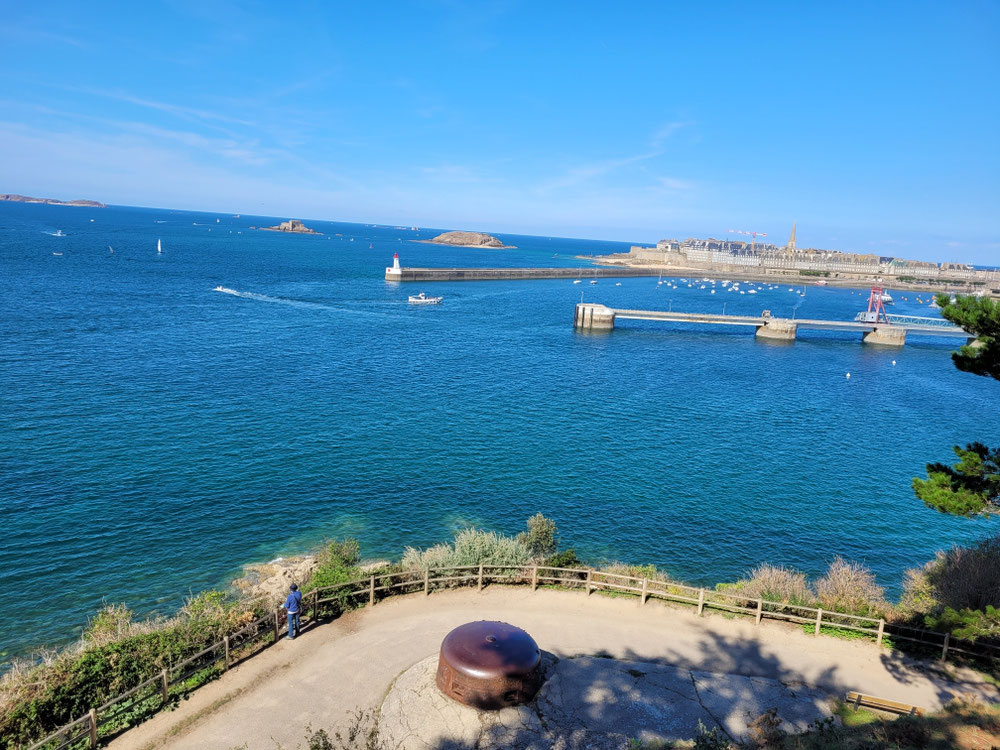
592, 316
510, 274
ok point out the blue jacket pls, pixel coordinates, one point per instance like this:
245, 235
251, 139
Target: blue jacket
294, 601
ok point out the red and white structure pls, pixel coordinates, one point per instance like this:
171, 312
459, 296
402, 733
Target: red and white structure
395, 270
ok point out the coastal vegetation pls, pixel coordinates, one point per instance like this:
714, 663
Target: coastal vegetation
959, 591
118, 653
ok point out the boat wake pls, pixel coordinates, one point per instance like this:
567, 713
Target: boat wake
57, 233
304, 304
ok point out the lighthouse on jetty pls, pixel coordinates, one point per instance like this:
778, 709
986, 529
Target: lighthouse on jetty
395, 273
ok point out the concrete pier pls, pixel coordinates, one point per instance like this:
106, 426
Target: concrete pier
885, 336
590, 317
510, 274
777, 329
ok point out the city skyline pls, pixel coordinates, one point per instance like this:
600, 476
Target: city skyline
869, 127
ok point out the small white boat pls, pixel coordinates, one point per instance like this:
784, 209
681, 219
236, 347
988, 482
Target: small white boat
577, 281
159, 247
593, 282
422, 299
618, 284
886, 298
57, 253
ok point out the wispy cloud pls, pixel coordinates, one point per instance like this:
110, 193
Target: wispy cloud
591, 170
586, 172
665, 131
188, 113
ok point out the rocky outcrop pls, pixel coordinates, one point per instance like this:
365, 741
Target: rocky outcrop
294, 225
14, 198
468, 239
270, 581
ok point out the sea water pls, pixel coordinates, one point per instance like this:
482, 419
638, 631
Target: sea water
156, 434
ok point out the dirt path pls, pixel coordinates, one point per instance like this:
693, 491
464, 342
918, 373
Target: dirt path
322, 677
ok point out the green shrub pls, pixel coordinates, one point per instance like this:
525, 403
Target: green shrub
336, 563
471, 547
565, 559
540, 538
970, 624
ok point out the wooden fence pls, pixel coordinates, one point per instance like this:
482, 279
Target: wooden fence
146, 698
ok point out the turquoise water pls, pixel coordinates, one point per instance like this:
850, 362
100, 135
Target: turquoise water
156, 434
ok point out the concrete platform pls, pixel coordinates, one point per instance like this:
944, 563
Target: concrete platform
323, 677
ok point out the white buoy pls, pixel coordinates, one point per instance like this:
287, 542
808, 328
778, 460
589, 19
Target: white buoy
893, 363
848, 376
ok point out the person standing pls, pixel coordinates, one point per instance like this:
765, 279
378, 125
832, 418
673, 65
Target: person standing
293, 606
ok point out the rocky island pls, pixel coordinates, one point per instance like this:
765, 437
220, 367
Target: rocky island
294, 225
467, 239
15, 198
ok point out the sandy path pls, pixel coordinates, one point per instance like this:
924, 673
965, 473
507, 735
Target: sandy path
320, 678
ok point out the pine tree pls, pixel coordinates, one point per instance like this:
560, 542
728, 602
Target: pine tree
972, 486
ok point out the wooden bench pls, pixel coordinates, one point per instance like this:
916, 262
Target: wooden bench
858, 700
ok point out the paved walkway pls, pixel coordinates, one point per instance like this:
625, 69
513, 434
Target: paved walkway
322, 677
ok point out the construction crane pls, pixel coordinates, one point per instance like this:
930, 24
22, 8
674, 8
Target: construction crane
753, 235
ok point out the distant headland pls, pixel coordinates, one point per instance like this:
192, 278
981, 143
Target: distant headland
467, 239
15, 198
294, 225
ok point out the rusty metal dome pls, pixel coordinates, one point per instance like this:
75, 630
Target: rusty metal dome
489, 665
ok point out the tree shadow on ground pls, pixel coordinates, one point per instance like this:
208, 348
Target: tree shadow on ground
605, 699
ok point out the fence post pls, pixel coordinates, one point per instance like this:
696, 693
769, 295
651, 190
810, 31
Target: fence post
371, 593
760, 609
225, 643
277, 625
480, 576
701, 601
164, 686
819, 619
93, 727
427, 581
590, 582
944, 648
534, 577
645, 590
881, 632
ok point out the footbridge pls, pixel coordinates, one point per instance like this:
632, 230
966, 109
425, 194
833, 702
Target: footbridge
890, 331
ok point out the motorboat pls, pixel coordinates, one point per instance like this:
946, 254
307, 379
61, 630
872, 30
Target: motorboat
423, 299
593, 282
578, 281
886, 298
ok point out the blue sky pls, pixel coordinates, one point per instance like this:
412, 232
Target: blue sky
873, 125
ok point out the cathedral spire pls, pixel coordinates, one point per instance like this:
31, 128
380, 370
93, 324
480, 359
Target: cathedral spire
791, 240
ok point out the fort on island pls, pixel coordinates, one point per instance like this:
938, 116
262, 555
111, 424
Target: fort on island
294, 225
769, 260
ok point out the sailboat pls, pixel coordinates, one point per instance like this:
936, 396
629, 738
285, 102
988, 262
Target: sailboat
110, 249
159, 247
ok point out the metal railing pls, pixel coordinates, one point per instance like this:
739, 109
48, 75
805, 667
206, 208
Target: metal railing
106, 720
